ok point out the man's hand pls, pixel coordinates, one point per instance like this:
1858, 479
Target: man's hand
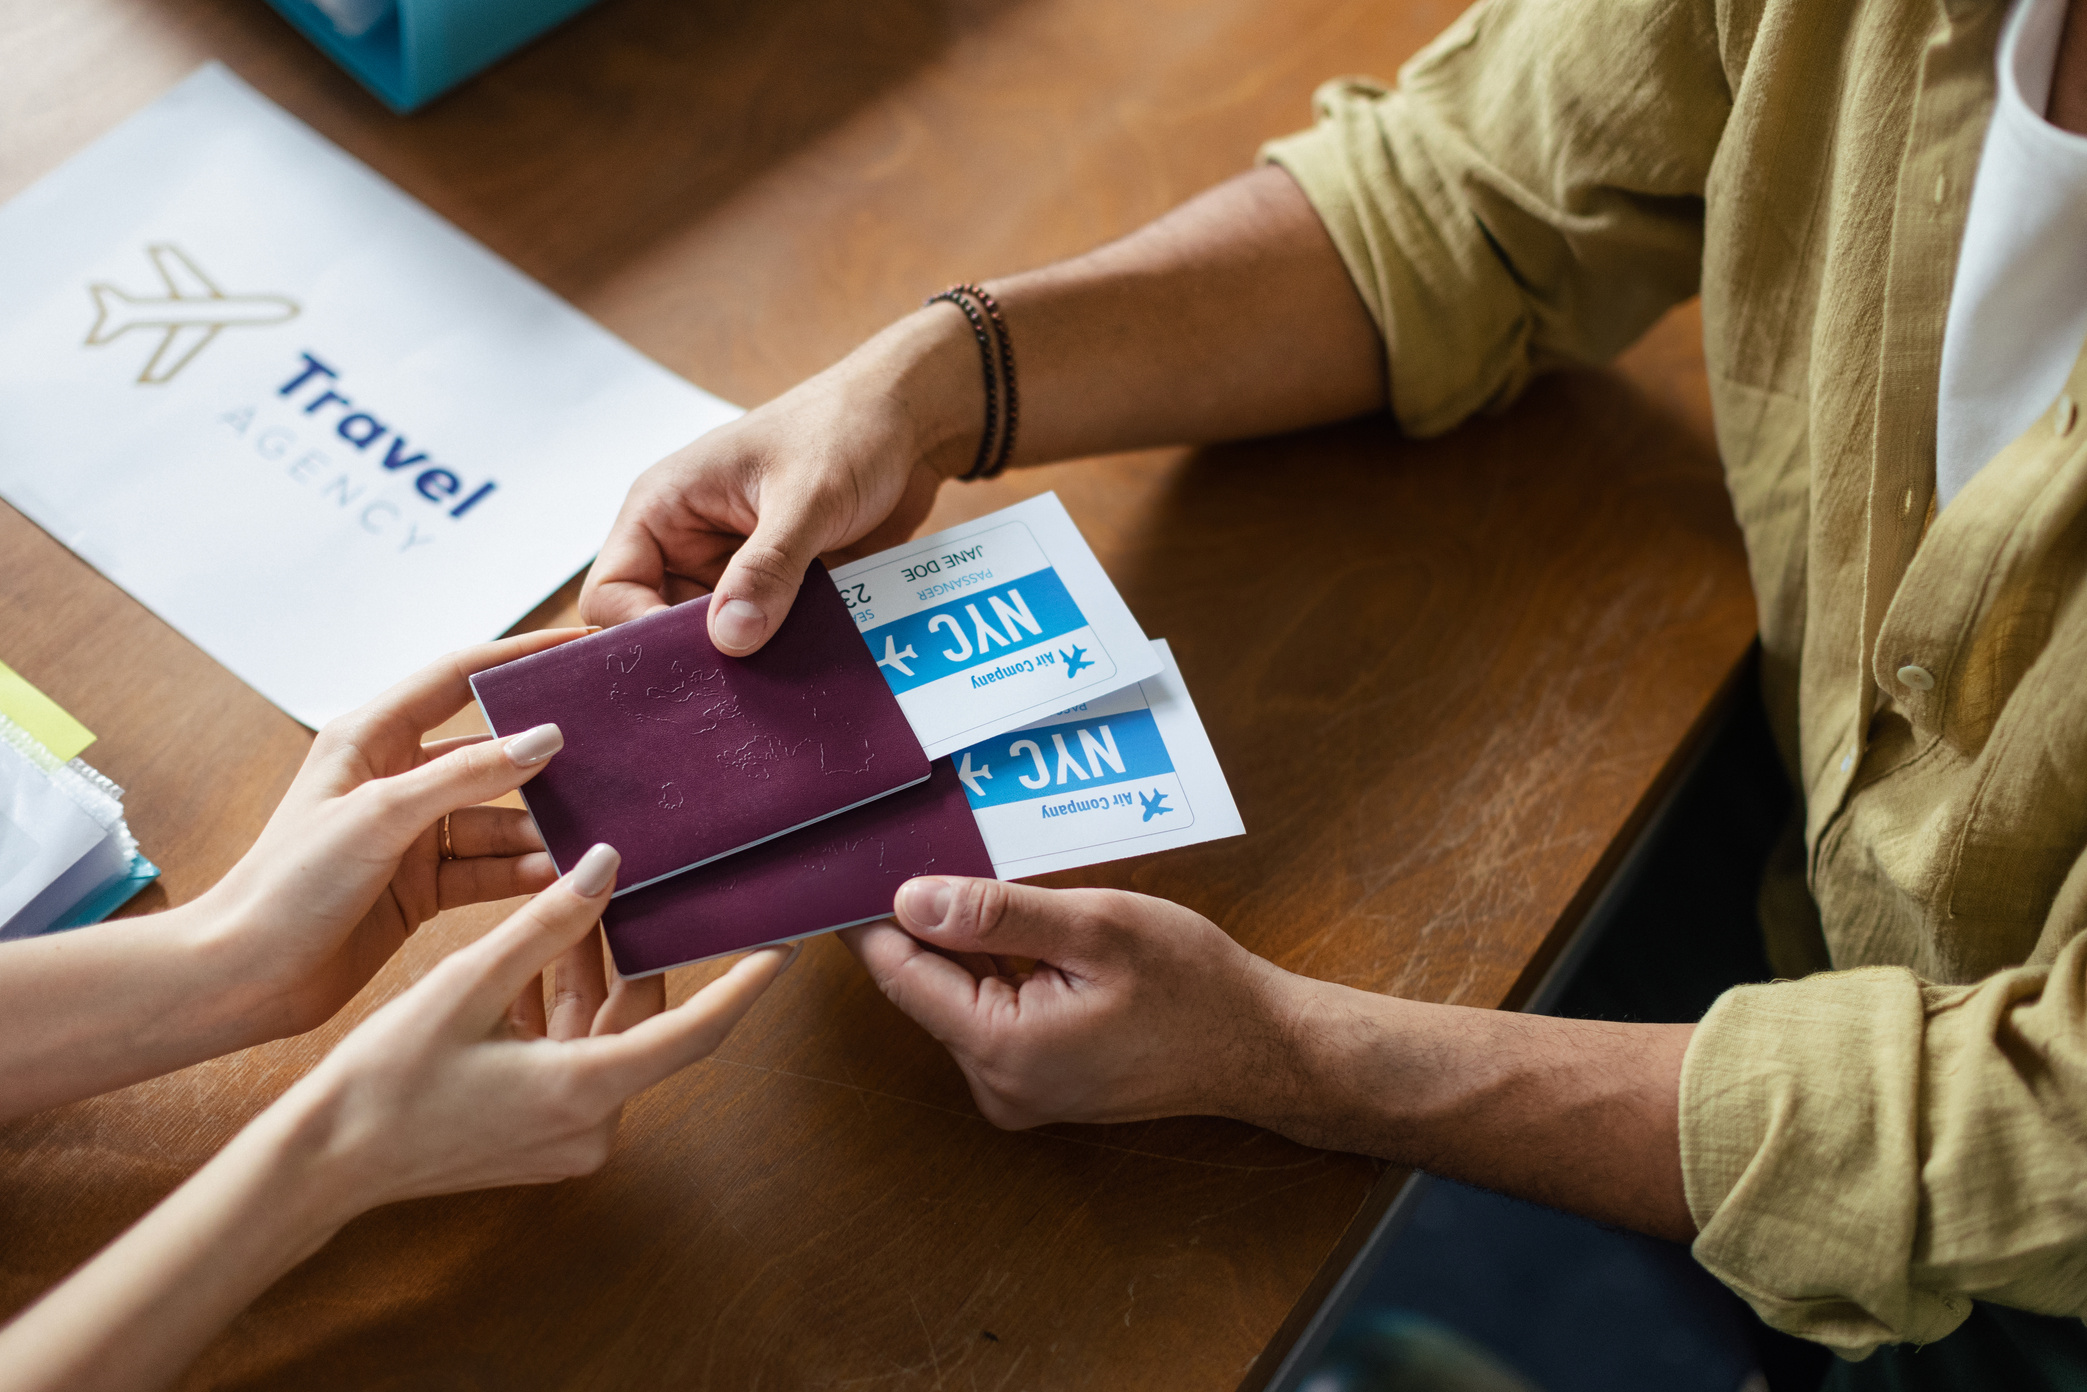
1230, 317
1134, 1007
845, 463
1095, 1005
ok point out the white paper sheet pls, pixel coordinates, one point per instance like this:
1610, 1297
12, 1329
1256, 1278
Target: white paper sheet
164, 297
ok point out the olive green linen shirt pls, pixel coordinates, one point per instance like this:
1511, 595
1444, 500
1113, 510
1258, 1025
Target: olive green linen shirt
1865, 1149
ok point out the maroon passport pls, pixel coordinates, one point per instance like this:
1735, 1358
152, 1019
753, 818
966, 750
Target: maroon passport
676, 754
840, 872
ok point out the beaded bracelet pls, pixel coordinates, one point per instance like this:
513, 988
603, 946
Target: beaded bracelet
997, 362
1007, 378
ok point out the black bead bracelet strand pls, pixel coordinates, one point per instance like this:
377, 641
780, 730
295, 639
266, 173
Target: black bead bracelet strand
1007, 380
996, 362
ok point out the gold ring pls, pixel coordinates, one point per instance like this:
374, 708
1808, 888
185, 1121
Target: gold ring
449, 850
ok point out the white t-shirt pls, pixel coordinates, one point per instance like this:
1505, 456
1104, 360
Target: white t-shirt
2018, 312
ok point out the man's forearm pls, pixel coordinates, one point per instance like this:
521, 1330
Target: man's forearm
1232, 316
1582, 1115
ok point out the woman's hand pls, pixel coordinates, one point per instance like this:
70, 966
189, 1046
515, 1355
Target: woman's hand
453, 1085
459, 1084
347, 868
351, 863
846, 462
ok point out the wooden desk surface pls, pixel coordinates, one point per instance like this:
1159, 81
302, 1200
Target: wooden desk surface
1446, 679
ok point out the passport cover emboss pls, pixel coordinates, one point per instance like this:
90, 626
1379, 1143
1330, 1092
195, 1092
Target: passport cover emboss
676, 754
839, 872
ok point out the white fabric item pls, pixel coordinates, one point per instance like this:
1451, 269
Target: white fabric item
43, 835
2018, 312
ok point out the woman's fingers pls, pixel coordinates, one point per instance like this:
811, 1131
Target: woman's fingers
443, 687
578, 989
659, 1047
488, 879
496, 967
436, 748
631, 1001
492, 831
525, 1013
405, 805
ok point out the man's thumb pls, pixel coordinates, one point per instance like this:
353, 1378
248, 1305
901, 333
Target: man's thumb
758, 587
962, 915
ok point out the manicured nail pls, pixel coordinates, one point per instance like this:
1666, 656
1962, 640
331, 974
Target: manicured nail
593, 629
737, 625
924, 902
535, 746
596, 870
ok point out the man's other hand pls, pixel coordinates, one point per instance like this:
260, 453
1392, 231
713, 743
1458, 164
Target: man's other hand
1095, 1005
1088, 1005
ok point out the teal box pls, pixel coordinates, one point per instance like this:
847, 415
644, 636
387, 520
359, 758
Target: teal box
419, 49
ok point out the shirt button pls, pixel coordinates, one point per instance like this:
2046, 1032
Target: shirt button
1919, 678
2066, 415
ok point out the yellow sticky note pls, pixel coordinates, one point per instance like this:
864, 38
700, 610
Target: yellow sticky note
44, 719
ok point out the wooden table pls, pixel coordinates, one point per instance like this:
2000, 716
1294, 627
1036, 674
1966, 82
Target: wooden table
1447, 681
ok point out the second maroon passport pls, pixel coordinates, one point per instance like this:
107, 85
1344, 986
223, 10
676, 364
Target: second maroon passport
840, 872
676, 754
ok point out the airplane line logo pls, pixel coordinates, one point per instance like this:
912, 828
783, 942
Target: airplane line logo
895, 656
192, 313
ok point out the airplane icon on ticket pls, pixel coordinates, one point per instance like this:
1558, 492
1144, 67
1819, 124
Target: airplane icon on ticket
188, 316
969, 776
1154, 805
895, 656
1075, 661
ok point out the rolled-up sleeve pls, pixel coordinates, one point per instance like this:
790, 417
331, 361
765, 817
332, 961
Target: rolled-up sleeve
1529, 194
1865, 1153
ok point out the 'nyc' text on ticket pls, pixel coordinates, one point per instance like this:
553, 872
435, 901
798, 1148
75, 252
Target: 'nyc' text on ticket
1126, 774
999, 621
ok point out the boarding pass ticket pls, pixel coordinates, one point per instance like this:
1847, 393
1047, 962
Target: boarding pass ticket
1126, 774
999, 621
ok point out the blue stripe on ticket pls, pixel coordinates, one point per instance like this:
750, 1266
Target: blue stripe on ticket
984, 632
1067, 761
